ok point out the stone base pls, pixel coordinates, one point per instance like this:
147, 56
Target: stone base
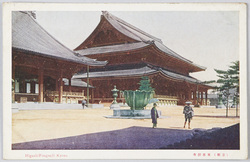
14, 108
220, 106
114, 106
46, 106
129, 114
95, 106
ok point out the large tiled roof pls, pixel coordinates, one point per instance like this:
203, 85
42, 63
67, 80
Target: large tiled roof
128, 29
76, 82
179, 76
147, 69
116, 73
28, 35
112, 48
143, 38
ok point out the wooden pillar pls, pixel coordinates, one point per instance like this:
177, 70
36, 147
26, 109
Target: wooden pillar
188, 95
32, 86
69, 84
195, 97
21, 84
108, 89
40, 78
92, 96
13, 70
57, 86
87, 85
202, 97
60, 87
92, 91
13, 81
206, 96
56, 90
198, 97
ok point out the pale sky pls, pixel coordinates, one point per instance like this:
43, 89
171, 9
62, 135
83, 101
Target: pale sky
208, 38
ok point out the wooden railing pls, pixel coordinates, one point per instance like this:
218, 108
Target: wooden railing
165, 100
67, 97
69, 94
108, 100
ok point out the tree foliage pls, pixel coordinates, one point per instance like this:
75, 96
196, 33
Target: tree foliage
145, 84
229, 79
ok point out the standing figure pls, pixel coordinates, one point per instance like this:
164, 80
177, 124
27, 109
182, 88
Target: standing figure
154, 116
189, 113
83, 103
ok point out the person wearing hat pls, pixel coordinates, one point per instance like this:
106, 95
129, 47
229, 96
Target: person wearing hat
188, 112
154, 115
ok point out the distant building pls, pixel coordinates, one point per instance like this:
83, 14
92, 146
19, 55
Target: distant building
133, 53
213, 98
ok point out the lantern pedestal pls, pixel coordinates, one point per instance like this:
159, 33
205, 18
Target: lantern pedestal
132, 114
114, 106
220, 103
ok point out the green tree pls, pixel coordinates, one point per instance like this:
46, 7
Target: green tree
228, 79
234, 73
145, 84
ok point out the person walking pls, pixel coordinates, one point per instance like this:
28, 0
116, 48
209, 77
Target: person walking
154, 115
83, 103
189, 113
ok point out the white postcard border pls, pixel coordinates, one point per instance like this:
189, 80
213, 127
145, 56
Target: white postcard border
120, 154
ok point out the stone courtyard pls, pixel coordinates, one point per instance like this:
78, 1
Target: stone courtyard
91, 130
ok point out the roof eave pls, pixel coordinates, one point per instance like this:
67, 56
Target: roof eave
98, 63
201, 68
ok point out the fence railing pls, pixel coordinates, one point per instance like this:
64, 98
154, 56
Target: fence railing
165, 100
69, 94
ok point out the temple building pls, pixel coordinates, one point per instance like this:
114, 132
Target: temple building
132, 53
42, 67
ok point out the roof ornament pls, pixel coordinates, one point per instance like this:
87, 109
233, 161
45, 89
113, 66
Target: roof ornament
77, 54
149, 41
105, 13
32, 13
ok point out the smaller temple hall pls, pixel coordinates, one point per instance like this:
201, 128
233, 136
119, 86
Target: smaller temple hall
42, 67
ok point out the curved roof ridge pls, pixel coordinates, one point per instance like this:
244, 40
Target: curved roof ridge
112, 48
133, 31
49, 34
147, 69
167, 50
117, 73
109, 16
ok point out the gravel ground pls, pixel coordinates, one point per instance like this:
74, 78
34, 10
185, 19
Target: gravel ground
89, 129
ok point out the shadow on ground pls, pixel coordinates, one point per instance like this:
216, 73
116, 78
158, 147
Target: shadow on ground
216, 138
128, 138
143, 138
212, 116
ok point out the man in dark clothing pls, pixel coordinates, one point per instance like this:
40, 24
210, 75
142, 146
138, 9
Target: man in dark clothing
188, 112
83, 103
154, 115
